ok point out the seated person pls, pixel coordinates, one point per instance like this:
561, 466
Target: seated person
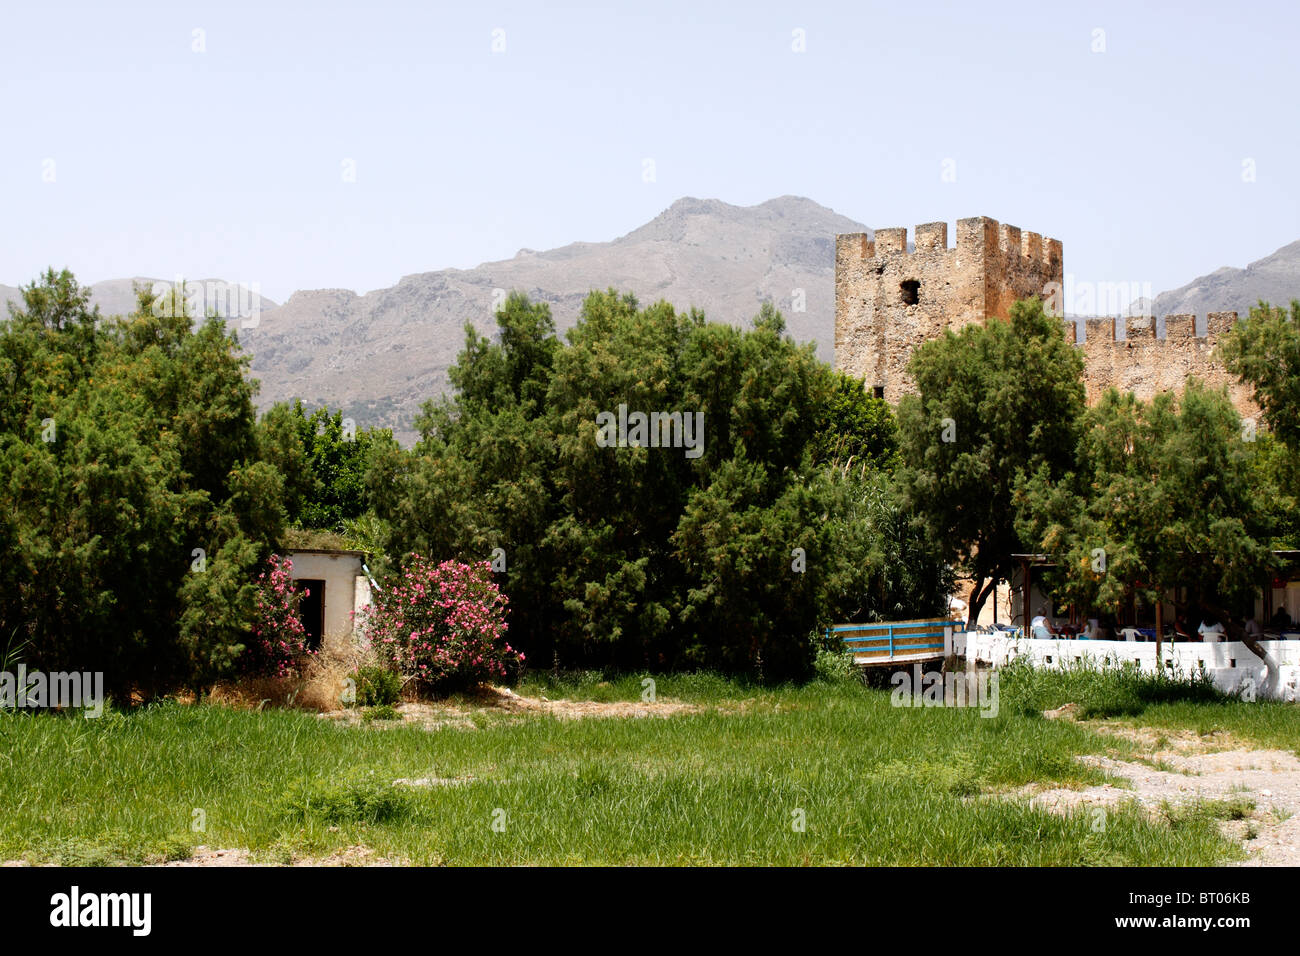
1211, 631
1281, 620
1182, 630
1040, 627
1253, 631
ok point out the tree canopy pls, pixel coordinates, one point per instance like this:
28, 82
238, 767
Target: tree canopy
1160, 495
136, 505
726, 554
994, 401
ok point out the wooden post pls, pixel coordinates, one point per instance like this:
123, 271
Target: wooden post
1024, 602
1160, 629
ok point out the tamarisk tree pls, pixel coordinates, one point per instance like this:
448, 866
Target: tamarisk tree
1161, 493
993, 402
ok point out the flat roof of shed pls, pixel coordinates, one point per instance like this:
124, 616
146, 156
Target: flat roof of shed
347, 551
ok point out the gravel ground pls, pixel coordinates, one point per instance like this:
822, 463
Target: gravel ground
1185, 768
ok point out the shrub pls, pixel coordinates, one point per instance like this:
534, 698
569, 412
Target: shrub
378, 686
105, 850
170, 849
834, 666
445, 624
356, 798
278, 645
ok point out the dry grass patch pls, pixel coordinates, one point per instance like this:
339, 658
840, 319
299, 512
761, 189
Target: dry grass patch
464, 712
319, 687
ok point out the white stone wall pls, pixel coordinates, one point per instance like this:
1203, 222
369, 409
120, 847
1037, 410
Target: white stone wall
1229, 664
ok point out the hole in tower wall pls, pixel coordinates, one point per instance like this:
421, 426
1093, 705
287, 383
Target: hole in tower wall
877, 391
911, 290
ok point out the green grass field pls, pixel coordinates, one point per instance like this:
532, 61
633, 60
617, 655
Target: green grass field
873, 783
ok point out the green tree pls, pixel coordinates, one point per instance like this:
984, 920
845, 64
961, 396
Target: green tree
1264, 351
127, 464
994, 401
480, 478
1160, 494
324, 457
857, 427
648, 556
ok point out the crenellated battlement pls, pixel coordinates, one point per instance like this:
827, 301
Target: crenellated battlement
1136, 330
1145, 357
1132, 355
889, 299
979, 236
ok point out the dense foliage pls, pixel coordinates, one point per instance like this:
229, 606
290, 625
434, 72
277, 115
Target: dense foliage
444, 624
994, 402
725, 554
136, 508
1264, 350
142, 497
1160, 495
323, 457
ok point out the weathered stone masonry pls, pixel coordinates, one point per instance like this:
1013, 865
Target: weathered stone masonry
1145, 365
889, 299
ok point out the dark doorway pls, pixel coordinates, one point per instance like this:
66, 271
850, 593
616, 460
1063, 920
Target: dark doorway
311, 609
911, 289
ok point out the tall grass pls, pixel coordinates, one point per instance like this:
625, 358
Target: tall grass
1100, 689
1188, 702
872, 783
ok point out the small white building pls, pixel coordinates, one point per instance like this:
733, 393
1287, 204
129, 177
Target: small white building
337, 589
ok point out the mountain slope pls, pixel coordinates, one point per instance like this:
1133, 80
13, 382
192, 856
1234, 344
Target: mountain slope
117, 296
380, 355
1275, 279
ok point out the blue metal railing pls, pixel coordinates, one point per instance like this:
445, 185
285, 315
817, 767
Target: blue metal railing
873, 638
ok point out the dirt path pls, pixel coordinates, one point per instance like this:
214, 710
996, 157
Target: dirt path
503, 701
348, 856
212, 856
1182, 768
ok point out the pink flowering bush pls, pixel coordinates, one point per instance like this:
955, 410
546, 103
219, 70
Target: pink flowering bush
443, 623
278, 646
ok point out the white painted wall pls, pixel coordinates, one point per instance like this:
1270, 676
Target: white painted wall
1229, 664
341, 574
360, 605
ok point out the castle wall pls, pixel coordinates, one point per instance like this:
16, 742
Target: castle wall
1128, 354
991, 266
877, 327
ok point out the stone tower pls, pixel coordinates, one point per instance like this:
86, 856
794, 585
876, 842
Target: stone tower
888, 299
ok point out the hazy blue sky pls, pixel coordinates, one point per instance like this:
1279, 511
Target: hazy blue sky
229, 162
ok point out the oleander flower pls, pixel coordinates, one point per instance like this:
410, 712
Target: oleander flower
445, 623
